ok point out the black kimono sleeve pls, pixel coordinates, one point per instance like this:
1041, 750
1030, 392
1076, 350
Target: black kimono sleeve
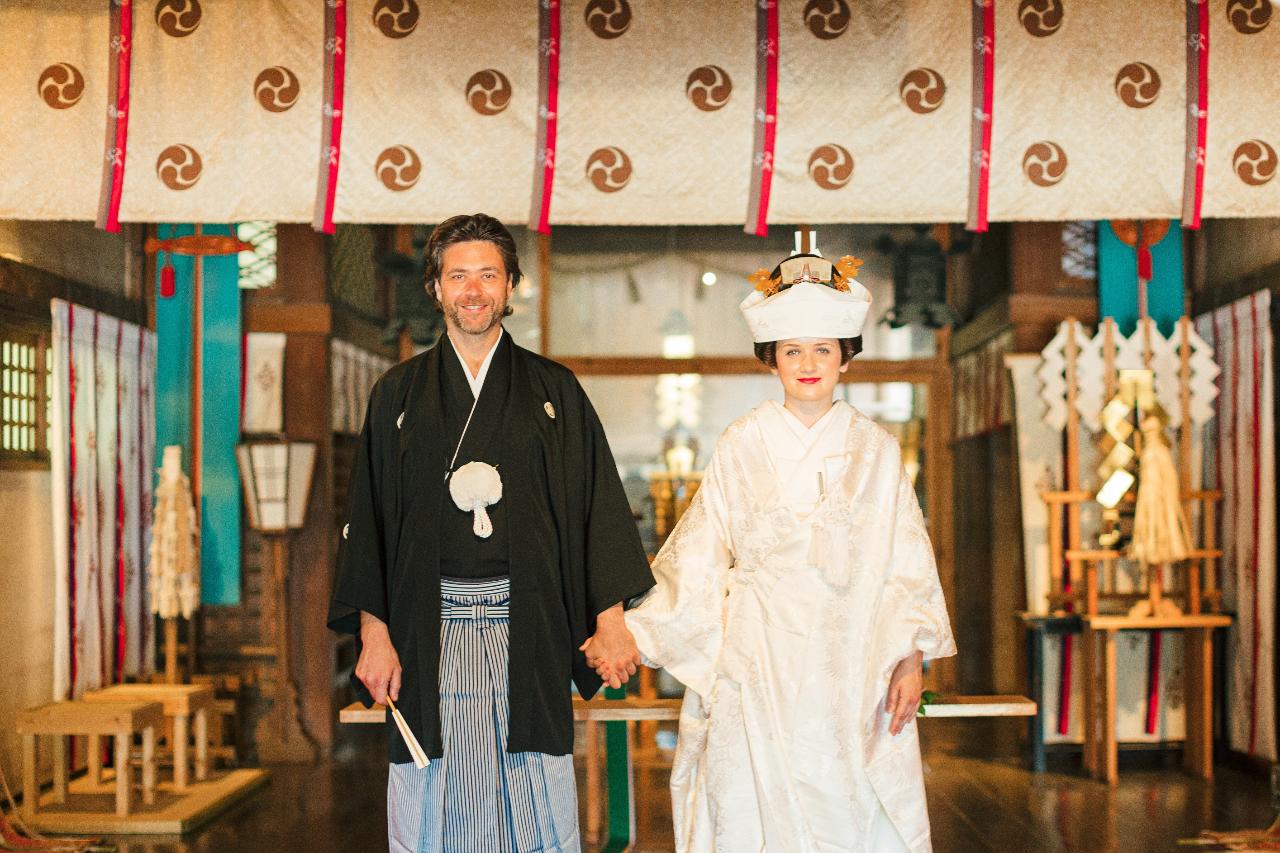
361, 582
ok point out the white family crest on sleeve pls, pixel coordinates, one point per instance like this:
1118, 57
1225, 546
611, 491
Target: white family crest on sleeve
473, 487
400, 421
550, 410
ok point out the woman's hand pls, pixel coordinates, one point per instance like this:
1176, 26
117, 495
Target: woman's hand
611, 651
905, 687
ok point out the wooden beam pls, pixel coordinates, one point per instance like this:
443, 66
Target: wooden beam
297, 318
27, 290
921, 370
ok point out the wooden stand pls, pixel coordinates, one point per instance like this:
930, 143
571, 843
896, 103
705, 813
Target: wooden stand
63, 719
1101, 755
182, 703
1078, 584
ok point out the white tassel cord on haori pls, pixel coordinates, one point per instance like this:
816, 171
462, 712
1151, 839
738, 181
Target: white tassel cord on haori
473, 487
174, 564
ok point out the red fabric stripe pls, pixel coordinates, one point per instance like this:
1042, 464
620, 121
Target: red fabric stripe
766, 119
1257, 498
1234, 410
121, 634
96, 568
118, 117
771, 121
72, 510
1153, 680
549, 116
331, 154
144, 508
984, 65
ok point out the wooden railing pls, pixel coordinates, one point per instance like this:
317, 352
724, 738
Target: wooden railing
617, 715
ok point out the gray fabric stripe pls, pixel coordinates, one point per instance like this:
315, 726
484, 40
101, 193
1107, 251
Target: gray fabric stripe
478, 797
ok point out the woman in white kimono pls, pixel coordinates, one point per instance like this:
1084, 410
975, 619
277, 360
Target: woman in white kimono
796, 600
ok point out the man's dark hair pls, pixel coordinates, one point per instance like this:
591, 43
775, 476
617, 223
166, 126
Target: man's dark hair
767, 351
467, 228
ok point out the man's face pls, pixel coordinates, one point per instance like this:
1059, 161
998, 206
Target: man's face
474, 287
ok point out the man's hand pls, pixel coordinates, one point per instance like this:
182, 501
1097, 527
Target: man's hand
905, 687
379, 666
612, 651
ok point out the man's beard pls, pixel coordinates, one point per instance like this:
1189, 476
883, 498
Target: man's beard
473, 324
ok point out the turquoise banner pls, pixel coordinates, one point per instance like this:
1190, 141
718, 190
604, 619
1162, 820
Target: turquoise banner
1118, 280
220, 480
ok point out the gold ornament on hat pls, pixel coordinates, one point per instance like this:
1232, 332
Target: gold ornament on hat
764, 282
846, 269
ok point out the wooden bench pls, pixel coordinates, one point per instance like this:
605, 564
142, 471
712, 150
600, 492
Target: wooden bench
67, 719
183, 703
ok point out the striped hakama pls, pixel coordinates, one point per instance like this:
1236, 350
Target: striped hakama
479, 797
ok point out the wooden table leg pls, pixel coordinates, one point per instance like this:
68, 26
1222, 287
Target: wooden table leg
181, 734
1197, 757
202, 744
592, 756
1110, 754
1089, 679
95, 759
59, 768
123, 791
30, 790
149, 765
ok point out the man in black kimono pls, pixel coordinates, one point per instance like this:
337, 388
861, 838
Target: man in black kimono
473, 627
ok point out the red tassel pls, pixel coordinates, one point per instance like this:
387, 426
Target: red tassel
1153, 682
167, 281
1144, 263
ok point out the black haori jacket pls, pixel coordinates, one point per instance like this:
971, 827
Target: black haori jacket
574, 550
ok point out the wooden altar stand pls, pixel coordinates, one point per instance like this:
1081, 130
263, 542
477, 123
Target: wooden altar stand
1082, 582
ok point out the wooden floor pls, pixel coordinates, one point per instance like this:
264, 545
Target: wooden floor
980, 799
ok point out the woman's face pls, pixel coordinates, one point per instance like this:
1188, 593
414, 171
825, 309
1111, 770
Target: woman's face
809, 368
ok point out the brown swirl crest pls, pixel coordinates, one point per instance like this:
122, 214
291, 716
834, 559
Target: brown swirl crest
1041, 18
1249, 16
489, 92
831, 166
1044, 163
608, 19
827, 19
922, 90
179, 167
398, 167
1137, 85
396, 19
61, 86
276, 89
1254, 162
178, 18
609, 169
708, 87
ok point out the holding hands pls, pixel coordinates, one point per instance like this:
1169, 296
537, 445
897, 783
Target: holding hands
612, 651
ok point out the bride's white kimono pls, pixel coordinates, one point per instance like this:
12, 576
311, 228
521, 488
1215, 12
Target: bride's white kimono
783, 605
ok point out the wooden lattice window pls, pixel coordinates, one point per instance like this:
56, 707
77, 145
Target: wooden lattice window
1080, 250
257, 268
25, 363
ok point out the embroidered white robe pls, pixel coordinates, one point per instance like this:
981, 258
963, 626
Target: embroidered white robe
784, 743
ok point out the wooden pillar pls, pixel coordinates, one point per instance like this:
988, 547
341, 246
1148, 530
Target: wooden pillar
298, 305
